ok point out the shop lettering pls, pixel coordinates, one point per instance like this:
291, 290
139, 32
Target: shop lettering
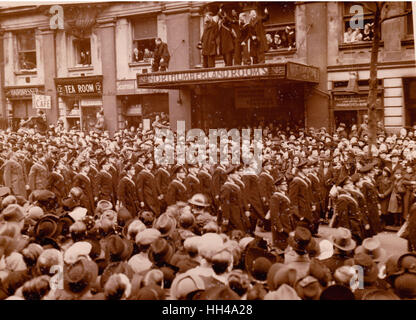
22, 92
205, 75
80, 88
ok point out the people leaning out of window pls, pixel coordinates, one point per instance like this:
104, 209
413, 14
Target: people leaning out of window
357, 34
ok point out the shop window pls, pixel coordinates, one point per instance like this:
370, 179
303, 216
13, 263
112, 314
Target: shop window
26, 50
144, 35
353, 31
82, 50
280, 28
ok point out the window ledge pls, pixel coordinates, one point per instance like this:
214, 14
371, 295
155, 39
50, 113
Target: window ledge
358, 45
281, 52
25, 72
139, 64
408, 42
81, 68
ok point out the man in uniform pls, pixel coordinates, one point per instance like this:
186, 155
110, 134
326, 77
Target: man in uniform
146, 189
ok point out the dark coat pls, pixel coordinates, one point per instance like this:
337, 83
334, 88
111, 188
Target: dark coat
266, 182
192, 184
370, 193
299, 195
161, 51
226, 36
252, 184
280, 218
257, 30
384, 187
162, 177
206, 185
104, 181
84, 183
147, 191
127, 195
57, 184
176, 192
209, 39
346, 208
218, 179
232, 206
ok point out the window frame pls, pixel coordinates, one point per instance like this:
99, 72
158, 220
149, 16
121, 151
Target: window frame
135, 41
76, 49
346, 18
278, 28
17, 35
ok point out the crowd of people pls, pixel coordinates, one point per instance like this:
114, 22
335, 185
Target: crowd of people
357, 35
90, 216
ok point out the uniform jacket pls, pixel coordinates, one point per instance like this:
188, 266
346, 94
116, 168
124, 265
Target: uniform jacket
176, 192
56, 184
370, 193
147, 191
346, 208
13, 178
38, 177
233, 207
384, 187
267, 187
299, 195
127, 195
252, 184
105, 188
280, 218
205, 180
82, 181
162, 177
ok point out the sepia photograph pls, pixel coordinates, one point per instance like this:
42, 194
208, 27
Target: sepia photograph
207, 150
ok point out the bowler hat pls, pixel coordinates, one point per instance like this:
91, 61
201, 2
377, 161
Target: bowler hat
258, 262
46, 227
302, 240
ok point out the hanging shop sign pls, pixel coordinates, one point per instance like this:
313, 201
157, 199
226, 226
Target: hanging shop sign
354, 101
40, 101
82, 86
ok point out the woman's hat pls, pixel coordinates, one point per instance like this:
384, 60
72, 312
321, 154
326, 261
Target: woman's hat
343, 239
302, 240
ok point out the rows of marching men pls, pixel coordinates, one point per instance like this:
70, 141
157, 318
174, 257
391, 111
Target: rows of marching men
89, 216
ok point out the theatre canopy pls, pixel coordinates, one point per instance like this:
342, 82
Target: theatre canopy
286, 72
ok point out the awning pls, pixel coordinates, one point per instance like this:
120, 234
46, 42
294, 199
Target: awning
286, 72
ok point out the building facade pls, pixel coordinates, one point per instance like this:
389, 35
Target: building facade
100, 56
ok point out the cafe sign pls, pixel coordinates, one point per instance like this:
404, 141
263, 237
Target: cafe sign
84, 86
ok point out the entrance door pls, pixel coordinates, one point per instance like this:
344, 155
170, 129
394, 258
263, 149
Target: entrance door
349, 118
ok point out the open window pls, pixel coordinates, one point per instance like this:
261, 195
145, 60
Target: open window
280, 28
409, 19
26, 50
144, 35
82, 51
358, 23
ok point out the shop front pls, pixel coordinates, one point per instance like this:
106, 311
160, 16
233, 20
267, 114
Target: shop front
350, 108
79, 101
136, 104
237, 96
19, 103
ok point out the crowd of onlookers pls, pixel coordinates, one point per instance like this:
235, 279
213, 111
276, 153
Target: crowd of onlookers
357, 34
90, 216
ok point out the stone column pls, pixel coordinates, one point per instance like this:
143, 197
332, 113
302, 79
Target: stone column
108, 58
49, 66
3, 110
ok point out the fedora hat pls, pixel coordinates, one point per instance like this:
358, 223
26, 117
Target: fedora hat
165, 224
342, 239
161, 251
372, 247
301, 240
46, 227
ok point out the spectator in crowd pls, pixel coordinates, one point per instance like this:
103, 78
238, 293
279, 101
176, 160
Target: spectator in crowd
368, 32
348, 36
161, 56
137, 55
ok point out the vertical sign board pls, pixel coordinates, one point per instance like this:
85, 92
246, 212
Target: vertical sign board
40, 101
